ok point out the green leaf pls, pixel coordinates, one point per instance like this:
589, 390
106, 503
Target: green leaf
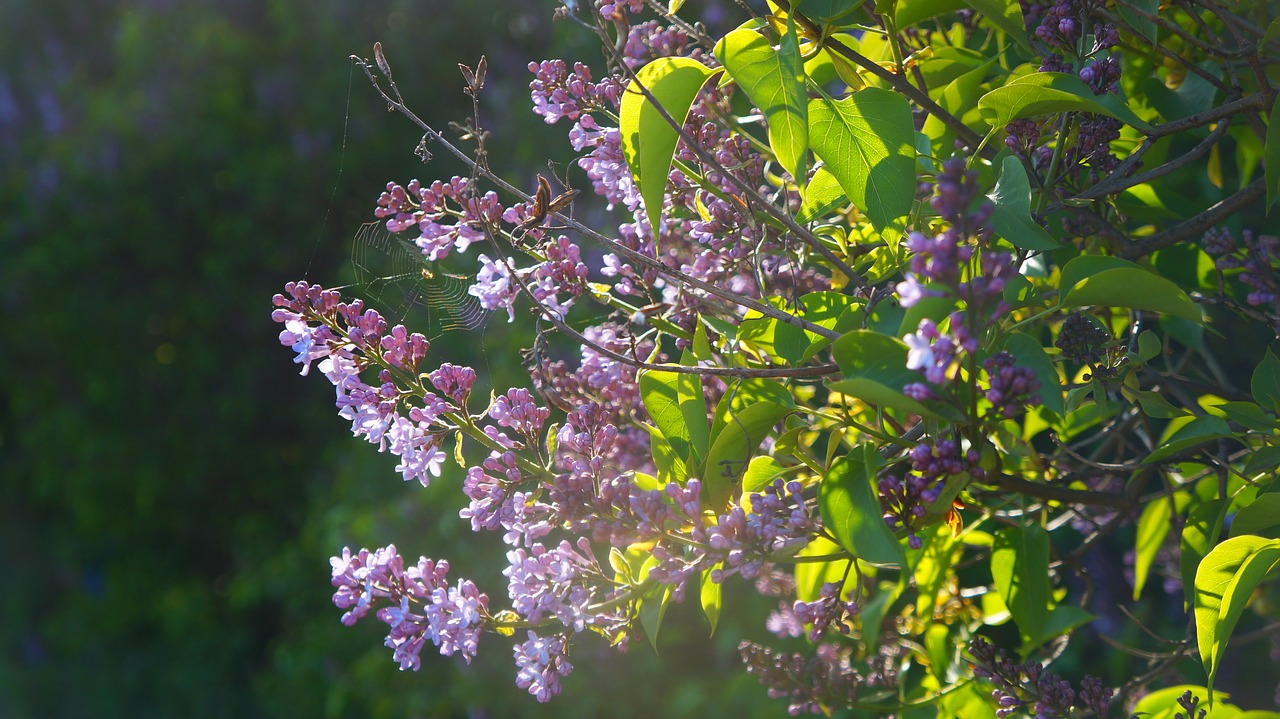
1264, 459
669, 463
760, 473
1144, 26
1199, 534
653, 607
701, 344
1062, 619
867, 141
1271, 157
747, 392
733, 448
1155, 405
1149, 345
810, 575
1194, 433
932, 567
1012, 216
781, 340
875, 368
1163, 703
822, 196
1005, 15
957, 97
1044, 93
1153, 529
648, 140
675, 403
1020, 568
1261, 518
1224, 582
1265, 383
1248, 414
774, 80
1112, 282
711, 600
910, 12
852, 513
1030, 354
825, 11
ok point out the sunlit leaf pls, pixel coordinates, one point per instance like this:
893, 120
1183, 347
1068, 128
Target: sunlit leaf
852, 514
1224, 582
867, 142
648, 140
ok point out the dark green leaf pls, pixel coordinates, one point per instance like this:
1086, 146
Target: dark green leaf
1109, 282
1264, 459
1005, 15
1012, 216
875, 370
852, 513
1247, 414
1265, 383
1271, 157
1194, 433
1020, 568
1261, 518
1155, 405
1144, 26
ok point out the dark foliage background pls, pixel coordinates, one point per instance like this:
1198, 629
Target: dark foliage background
171, 487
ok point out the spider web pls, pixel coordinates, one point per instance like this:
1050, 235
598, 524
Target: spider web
391, 272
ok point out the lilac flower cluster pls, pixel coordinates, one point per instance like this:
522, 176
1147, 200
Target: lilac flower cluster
349, 339
905, 499
818, 683
541, 662
650, 40
829, 609
1011, 388
558, 93
1029, 688
780, 521
417, 603
1081, 339
1254, 258
1059, 30
428, 207
959, 263
562, 582
618, 9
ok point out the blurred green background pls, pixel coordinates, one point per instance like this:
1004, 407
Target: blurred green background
172, 488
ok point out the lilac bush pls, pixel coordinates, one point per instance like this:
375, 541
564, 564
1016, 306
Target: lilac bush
846, 345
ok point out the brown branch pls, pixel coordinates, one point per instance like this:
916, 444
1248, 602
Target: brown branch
1194, 226
1061, 494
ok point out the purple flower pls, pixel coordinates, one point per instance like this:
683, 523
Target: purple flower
542, 661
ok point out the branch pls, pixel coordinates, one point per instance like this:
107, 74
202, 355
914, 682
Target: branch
639, 258
1196, 225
